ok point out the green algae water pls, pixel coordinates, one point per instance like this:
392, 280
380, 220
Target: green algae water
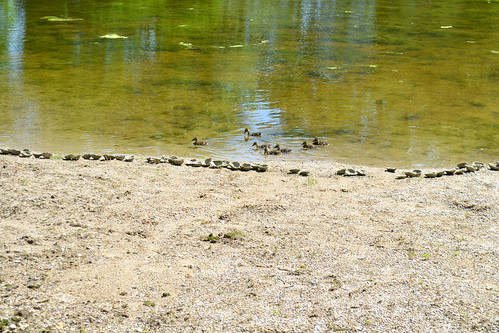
404, 83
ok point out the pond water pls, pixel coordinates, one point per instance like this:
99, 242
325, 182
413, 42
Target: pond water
406, 83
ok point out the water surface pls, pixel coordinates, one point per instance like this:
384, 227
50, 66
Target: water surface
385, 82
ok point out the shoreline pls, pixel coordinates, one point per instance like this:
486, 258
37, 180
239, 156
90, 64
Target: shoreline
115, 246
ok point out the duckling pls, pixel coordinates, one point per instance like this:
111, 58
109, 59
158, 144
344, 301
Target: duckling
317, 142
257, 146
199, 143
247, 132
271, 152
305, 145
282, 150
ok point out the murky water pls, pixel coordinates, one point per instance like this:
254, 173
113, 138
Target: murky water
385, 82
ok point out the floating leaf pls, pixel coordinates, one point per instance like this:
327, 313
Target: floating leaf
113, 36
237, 45
494, 51
187, 45
446, 27
60, 19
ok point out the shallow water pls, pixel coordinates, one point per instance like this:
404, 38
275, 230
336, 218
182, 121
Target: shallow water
405, 83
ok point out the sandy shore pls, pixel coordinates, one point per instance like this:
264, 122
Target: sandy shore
111, 246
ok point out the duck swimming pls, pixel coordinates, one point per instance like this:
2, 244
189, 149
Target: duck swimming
199, 143
271, 152
282, 150
247, 132
306, 145
317, 142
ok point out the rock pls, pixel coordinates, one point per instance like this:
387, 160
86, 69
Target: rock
71, 157
4, 151
234, 166
246, 167
440, 173
494, 167
216, 164
478, 165
470, 168
119, 157
389, 169
95, 157
25, 153
361, 173
152, 160
430, 175
108, 157
86, 156
46, 155
350, 173
449, 172
129, 158
13, 151
401, 177
206, 162
459, 171
37, 154
462, 165
193, 162
341, 172
262, 167
413, 173
176, 160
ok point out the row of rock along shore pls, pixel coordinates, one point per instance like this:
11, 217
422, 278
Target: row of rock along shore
460, 169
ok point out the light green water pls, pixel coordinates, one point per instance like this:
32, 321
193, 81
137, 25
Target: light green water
404, 82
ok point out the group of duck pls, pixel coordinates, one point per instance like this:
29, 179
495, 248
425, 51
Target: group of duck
267, 148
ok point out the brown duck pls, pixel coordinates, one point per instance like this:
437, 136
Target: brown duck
196, 142
306, 145
248, 133
266, 151
282, 150
318, 142
257, 146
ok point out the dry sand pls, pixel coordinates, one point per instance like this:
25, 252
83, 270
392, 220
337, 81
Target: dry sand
111, 246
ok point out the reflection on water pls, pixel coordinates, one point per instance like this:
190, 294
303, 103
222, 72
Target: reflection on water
405, 83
